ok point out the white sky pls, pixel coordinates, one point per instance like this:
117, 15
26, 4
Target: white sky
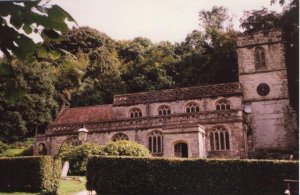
158, 20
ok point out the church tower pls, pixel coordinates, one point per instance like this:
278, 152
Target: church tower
263, 76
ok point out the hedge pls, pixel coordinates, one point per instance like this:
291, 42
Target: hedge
191, 176
29, 174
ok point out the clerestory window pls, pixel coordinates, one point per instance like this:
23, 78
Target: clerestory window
223, 105
164, 110
135, 113
192, 107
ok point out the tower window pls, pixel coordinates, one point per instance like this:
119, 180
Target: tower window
260, 58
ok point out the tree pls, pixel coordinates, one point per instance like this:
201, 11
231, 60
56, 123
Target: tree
260, 20
31, 17
207, 56
36, 108
17, 22
145, 64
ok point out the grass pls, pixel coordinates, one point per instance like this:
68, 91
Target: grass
72, 185
13, 151
68, 186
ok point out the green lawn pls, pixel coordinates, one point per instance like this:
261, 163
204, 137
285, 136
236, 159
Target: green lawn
67, 187
13, 151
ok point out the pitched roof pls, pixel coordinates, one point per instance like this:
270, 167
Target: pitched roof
85, 114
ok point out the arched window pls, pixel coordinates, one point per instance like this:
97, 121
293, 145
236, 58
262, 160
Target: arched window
135, 113
120, 136
155, 142
164, 110
223, 105
192, 107
219, 139
260, 58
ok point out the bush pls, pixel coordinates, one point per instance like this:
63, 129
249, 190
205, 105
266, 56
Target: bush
78, 157
30, 174
190, 176
125, 148
3, 147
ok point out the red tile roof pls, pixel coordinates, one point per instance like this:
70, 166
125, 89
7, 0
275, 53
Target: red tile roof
85, 114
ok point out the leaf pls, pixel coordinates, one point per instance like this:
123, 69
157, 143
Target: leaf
27, 29
26, 47
54, 55
6, 70
41, 52
16, 20
51, 34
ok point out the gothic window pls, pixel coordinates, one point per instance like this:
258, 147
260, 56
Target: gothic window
120, 136
192, 107
155, 142
260, 58
164, 110
135, 113
223, 105
219, 139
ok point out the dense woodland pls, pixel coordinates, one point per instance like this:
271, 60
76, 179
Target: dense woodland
87, 67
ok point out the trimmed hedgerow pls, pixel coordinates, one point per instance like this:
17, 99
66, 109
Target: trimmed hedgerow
30, 174
191, 176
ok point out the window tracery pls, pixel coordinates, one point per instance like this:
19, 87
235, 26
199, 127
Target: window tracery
135, 113
120, 136
260, 58
192, 107
155, 142
219, 139
164, 110
223, 105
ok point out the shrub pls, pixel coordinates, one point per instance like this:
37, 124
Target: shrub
30, 174
190, 176
125, 148
3, 147
78, 157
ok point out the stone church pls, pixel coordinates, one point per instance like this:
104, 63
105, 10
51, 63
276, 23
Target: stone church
230, 120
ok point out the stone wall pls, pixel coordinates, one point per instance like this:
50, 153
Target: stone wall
267, 113
195, 136
271, 123
178, 107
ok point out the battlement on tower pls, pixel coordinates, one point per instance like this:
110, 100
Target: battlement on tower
259, 38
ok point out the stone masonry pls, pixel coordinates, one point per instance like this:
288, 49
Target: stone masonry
232, 120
